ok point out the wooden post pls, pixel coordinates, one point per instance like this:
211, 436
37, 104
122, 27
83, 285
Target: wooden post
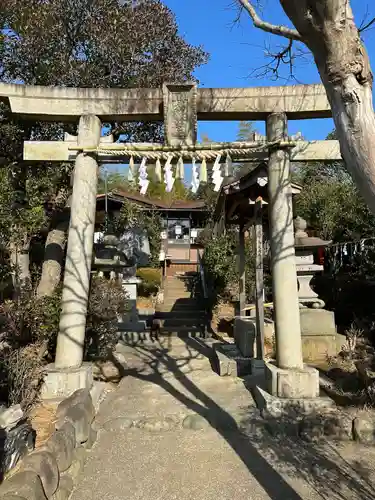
259, 281
242, 272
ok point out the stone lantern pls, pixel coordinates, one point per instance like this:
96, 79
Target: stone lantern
110, 258
318, 328
305, 248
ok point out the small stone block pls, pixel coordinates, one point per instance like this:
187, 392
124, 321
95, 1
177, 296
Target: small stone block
230, 362
25, 485
62, 444
292, 383
97, 393
152, 424
93, 434
78, 462
317, 322
257, 366
195, 423
118, 424
44, 464
338, 426
364, 429
244, 336
62, 383
77, 415
81, 397
312, 428
65, 488
79, 411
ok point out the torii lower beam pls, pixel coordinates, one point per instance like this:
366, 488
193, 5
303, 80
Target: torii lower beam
58, 151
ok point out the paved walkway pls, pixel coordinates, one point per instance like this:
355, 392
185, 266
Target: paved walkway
183, 444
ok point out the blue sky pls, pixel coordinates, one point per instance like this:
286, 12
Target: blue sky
236, 51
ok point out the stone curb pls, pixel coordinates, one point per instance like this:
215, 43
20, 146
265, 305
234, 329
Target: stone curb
51, 471
331, 425
188, 421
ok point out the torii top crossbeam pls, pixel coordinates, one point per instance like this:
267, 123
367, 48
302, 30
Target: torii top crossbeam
255, 103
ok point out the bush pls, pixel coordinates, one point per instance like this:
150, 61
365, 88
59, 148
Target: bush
108, 300
24, 375
28, 335
151, 280
220, 261
31, 320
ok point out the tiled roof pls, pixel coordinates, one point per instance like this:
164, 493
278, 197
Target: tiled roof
174, 205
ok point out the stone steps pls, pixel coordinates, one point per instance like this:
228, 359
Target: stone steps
179, 314
196, 321
134, 338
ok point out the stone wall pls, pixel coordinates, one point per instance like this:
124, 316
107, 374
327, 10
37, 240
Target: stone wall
50, 471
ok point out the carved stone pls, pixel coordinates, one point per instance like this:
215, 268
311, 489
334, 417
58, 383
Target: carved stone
180, 113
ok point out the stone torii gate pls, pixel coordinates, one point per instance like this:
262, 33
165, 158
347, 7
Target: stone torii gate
180, 106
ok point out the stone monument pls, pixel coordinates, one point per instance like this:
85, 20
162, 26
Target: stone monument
318, 328
111, 258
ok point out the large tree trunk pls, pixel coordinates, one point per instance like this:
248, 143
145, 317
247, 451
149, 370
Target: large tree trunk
328, 29
53, 259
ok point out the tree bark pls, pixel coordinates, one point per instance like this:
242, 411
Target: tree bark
53, 259
328, 29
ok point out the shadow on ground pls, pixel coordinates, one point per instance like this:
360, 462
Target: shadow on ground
267, 457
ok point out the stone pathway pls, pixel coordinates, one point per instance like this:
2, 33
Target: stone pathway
173, 429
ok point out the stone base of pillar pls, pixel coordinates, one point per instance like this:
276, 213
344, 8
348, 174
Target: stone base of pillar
288, 407
61, 383
319, 336
292, 384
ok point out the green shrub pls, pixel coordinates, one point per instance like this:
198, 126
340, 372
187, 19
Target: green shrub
28, 334
151, 280
108, 300
220, 262
31, 320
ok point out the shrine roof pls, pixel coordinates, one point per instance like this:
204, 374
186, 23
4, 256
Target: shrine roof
119, 196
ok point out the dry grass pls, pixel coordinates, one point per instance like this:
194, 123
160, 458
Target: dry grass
145, 302
43, 419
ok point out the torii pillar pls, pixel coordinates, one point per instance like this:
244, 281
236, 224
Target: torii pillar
288, 377
68, 373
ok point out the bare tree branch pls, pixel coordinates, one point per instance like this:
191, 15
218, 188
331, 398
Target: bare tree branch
281, 30
367, 25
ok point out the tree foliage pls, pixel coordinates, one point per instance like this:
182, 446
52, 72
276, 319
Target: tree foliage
328, 29
331, 202
101, 43
117, 181
220, 261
